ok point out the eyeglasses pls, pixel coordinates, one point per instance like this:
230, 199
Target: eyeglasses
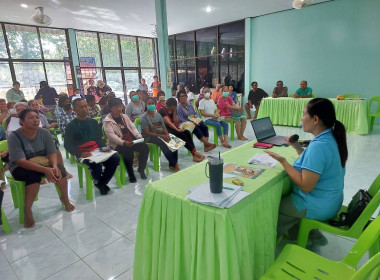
183, 96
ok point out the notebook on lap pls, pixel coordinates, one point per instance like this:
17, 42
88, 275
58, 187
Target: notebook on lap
265, 133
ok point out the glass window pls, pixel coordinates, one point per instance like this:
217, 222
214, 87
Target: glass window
110, 50
3, 49
171, 47
231, 37
129, 51
115, 82
132, 80
148, 75
87, 43
29, 74
206, 41
207, 75
173, 75
23, 41
186, 72
146, 52
56, 73
5, 79
185, 45
54, 43
232, 70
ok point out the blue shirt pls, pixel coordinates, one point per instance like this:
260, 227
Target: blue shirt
305, 92
233, 95
321, 157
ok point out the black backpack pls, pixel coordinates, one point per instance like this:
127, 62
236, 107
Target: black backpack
357, 205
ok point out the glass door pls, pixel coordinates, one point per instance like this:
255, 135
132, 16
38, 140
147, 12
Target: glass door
115, 82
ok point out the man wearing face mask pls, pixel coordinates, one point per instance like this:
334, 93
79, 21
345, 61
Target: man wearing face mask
136, 108
67, 115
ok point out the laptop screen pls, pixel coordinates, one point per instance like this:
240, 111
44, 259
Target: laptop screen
263, 128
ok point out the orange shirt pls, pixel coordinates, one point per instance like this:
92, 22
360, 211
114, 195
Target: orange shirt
156, 88
215, 95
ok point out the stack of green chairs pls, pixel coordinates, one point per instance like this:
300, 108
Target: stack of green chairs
351, 95
374, 115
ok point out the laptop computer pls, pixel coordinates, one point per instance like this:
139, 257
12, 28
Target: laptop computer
265, 133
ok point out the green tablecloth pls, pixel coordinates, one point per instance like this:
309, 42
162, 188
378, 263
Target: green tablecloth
288, 111
179, 239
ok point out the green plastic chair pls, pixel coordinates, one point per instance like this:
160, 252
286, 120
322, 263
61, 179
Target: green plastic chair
89, 185
313, 95
4, 124
154, 150
232, 127
210, 126
54, 133
372, 116
295, 262
351, 95
355, 230
4, 220
19, 186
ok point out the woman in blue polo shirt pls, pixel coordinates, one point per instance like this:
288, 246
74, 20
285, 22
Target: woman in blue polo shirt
318, 174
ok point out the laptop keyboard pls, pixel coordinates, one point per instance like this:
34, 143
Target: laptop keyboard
277, 140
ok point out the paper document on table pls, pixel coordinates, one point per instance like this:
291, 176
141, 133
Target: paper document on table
263, 160
230, 195
97, 156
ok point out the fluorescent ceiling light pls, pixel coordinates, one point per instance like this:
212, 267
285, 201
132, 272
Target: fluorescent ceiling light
24, 5
208, 9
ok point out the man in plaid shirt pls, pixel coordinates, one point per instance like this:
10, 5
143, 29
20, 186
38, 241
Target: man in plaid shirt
93, 110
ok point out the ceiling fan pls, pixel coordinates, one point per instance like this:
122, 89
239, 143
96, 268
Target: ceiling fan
299, 4
40, 18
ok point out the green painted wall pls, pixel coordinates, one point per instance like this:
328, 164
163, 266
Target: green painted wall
335, 46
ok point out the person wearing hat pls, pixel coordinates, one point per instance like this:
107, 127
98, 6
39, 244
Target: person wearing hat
15, 94
121, 133
102, 88
83, 136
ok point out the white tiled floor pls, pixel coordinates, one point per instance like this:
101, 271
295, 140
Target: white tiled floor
96, 241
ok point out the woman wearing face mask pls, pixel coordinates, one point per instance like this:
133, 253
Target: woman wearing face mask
210, 116
186, 110
121, 133
136, 108
67, 115
161, 100
153, 127
225, 106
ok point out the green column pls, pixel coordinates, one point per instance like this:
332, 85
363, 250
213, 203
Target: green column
74, 54
163, 44
248, 58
